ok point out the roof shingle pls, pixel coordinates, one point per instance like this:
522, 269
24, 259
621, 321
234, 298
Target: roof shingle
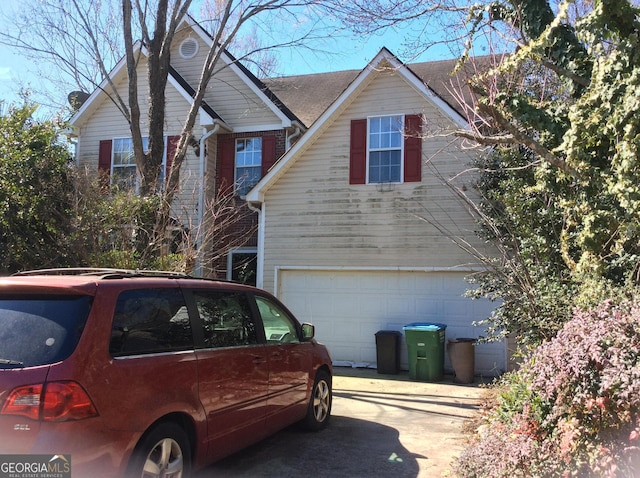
308, 96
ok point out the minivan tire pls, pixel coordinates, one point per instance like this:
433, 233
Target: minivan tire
319, 409
164, 447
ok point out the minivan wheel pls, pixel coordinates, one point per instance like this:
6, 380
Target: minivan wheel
319, 409
163, 452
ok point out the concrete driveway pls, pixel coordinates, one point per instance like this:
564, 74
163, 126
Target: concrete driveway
381, 426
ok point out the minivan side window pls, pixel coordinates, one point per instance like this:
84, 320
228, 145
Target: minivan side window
279, 327
150, 321
226, 318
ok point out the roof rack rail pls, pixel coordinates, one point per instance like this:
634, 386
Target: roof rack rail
101, 271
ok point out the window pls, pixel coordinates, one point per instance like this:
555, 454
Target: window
243, 162
242, 266
124, 171
279, 328
150, 321
385, 149
248, 160
226, 319
116, 161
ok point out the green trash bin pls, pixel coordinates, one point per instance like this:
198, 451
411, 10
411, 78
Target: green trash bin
425, 345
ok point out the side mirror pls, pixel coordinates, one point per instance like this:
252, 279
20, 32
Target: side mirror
308, 332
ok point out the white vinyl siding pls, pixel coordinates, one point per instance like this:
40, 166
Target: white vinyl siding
227, 94
314, 217
107, 122
355, 259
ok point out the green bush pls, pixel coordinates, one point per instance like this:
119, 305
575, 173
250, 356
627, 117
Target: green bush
35, 192
572, 409
115, 230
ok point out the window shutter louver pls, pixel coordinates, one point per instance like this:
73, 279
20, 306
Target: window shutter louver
413, 148
358, 152
104, 162
268, 153
226, 165
104, 157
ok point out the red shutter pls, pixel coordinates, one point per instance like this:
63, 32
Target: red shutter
172, 147
104, 157
104, 162
413, 148
268, 153
226, 164
358, 152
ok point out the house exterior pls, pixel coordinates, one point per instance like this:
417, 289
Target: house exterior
358, 224
350, 176
240, 131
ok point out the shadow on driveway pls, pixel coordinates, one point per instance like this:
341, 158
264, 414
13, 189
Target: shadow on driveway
381, 426
348, 447
448, 406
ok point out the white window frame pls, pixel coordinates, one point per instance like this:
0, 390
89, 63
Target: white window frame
371, 149
145, 142
241, 189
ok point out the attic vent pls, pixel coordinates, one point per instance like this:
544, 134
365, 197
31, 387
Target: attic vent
188, 48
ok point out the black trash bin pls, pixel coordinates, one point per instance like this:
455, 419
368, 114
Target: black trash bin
388, 351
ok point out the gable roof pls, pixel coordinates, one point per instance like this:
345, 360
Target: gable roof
308, 96
207, 113
384, 60
174, 76
252, 81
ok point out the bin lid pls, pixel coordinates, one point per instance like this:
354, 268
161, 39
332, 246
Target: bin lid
388, 332
463, 339
427, 326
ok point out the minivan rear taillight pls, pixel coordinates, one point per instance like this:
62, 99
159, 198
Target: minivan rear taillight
54, 402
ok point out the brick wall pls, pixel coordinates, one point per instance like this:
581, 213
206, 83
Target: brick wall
243, 232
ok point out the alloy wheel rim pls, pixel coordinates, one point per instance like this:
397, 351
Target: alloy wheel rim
321, 401
164, 461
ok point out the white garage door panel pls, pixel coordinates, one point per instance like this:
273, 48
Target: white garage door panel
349, 307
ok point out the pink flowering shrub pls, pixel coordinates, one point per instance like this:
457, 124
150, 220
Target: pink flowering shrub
573, 409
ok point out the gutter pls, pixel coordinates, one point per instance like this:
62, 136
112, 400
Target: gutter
293, 136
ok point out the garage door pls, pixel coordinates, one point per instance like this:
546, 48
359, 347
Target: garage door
349, 307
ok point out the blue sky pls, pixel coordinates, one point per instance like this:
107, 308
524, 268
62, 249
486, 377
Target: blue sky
348, 52
12, 68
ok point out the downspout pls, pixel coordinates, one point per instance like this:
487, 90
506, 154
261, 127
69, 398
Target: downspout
293, 136
203, 170
260, 258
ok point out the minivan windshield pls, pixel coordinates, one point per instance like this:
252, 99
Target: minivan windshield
40, 329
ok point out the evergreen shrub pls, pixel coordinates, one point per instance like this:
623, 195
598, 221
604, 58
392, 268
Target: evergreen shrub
572, 409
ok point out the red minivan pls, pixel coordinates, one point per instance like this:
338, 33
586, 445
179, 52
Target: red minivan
148, 374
